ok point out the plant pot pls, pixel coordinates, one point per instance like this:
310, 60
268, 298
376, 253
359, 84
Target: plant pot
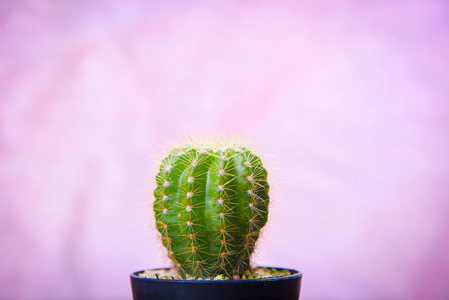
280, 288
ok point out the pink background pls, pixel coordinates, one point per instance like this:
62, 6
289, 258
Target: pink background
348, 99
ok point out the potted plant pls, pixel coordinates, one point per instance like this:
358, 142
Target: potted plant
211, 202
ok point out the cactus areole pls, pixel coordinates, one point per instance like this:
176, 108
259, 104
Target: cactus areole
211, 201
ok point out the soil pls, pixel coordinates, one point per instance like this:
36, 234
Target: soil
256, 273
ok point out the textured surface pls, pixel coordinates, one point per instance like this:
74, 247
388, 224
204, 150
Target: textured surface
348, 98
211, 204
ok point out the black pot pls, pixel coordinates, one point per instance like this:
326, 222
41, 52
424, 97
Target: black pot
281, 288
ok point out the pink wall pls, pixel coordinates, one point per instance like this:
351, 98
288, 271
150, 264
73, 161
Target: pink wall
348, 98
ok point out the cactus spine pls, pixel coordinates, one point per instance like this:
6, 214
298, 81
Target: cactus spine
210, 205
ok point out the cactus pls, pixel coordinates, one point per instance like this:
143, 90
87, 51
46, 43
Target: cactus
210, 204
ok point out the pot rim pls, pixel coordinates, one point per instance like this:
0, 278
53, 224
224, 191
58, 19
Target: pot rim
296, 274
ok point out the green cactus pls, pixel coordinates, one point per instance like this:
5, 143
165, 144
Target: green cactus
210, 204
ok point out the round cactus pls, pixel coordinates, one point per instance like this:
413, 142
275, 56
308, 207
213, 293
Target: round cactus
210, 204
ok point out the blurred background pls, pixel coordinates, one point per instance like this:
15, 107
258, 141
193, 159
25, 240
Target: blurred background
347, 99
